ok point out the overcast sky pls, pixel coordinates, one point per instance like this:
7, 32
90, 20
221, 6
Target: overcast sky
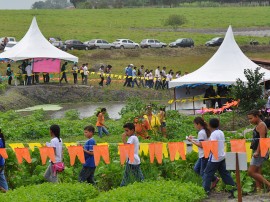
16, 4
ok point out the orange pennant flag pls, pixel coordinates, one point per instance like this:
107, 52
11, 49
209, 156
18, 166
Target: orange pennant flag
3, 153
46, 152
264, 146
177, 147
22, 153
101, 150
208, 146
74, 151
126, 150
155, 149
238, 145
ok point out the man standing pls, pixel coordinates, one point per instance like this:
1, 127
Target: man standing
63, 71
140, 75
85, 72
134, 77
157, 76
163, 77
28, 70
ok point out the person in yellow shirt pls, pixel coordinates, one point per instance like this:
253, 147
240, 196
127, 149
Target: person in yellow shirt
101, 122
152, 119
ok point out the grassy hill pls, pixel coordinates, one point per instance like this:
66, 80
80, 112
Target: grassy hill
136, 24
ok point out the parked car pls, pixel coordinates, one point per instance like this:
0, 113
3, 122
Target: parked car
10, 39
152, 43
76, 44
184, 42
9, 45
60, 44
99, 44
125, 43
217, 41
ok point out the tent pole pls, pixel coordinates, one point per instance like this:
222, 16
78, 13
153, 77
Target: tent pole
193, 106
174, 99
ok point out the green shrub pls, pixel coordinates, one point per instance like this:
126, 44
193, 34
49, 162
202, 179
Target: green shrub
154, 191
72, 114
51, 192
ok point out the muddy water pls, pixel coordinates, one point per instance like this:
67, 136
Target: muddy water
88, 109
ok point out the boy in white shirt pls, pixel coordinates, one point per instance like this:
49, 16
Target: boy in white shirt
132, 167
219, 164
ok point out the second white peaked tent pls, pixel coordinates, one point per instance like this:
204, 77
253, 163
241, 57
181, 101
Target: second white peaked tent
225, 67
35, 45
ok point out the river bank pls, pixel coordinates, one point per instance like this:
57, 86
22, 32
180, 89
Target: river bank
18, 97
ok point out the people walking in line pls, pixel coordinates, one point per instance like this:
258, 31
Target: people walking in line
255, 168
9, 74
88, 169
75, 70
102, 128
63, 72
132, 168
57, 144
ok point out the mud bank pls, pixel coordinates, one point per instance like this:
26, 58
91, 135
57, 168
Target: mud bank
26, 96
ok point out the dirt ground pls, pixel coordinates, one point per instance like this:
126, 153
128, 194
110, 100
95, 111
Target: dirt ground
223, 197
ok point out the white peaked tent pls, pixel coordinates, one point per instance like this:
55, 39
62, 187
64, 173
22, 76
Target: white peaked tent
35, 45
225, 67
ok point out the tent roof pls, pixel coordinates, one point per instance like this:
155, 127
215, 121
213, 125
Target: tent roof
35, 45
225, 66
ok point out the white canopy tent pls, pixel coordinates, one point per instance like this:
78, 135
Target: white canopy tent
225, 67
35, 45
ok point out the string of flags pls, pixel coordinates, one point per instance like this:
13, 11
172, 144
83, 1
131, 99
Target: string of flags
158, 151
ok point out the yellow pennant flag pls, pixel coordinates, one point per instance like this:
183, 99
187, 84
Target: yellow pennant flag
112, 75
120, 77
92, 72
249, 151
164, 150
184, 100
32, 146
170, 101
195, 148
16, 145
116, 76
144, 147
68, 144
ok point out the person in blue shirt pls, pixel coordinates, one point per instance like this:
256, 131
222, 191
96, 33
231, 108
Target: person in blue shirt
88, 170
3, 181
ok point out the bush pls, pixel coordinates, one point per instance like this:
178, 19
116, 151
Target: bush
72, 114
250, 91
154, 191
175, 21
51, 192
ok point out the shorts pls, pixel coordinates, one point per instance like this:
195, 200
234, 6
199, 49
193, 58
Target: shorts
259, 160
163, 125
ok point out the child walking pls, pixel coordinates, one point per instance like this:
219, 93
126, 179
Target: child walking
88, 170
57, 143
255, 168
101, 122
3, 181
219, 164
203, 135
132, 167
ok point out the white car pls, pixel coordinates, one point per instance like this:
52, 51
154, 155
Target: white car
152, 43
125, 43
99, 44
9, 45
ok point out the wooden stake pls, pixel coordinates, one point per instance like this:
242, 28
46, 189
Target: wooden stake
238, 182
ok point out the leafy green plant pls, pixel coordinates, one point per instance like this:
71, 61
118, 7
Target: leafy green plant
72, 114
51, 192
175, 21
159, 190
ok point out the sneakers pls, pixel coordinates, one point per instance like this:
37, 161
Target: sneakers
214, 184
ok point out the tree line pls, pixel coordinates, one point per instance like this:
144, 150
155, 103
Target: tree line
97, 4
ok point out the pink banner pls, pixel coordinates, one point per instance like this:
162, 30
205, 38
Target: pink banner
48, 65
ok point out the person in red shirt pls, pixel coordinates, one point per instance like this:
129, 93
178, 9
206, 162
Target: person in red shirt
141, 127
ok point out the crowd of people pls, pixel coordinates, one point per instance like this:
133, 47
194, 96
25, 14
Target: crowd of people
205, 167
146, 78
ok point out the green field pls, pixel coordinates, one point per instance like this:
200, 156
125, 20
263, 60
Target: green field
138, 24
135, 24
